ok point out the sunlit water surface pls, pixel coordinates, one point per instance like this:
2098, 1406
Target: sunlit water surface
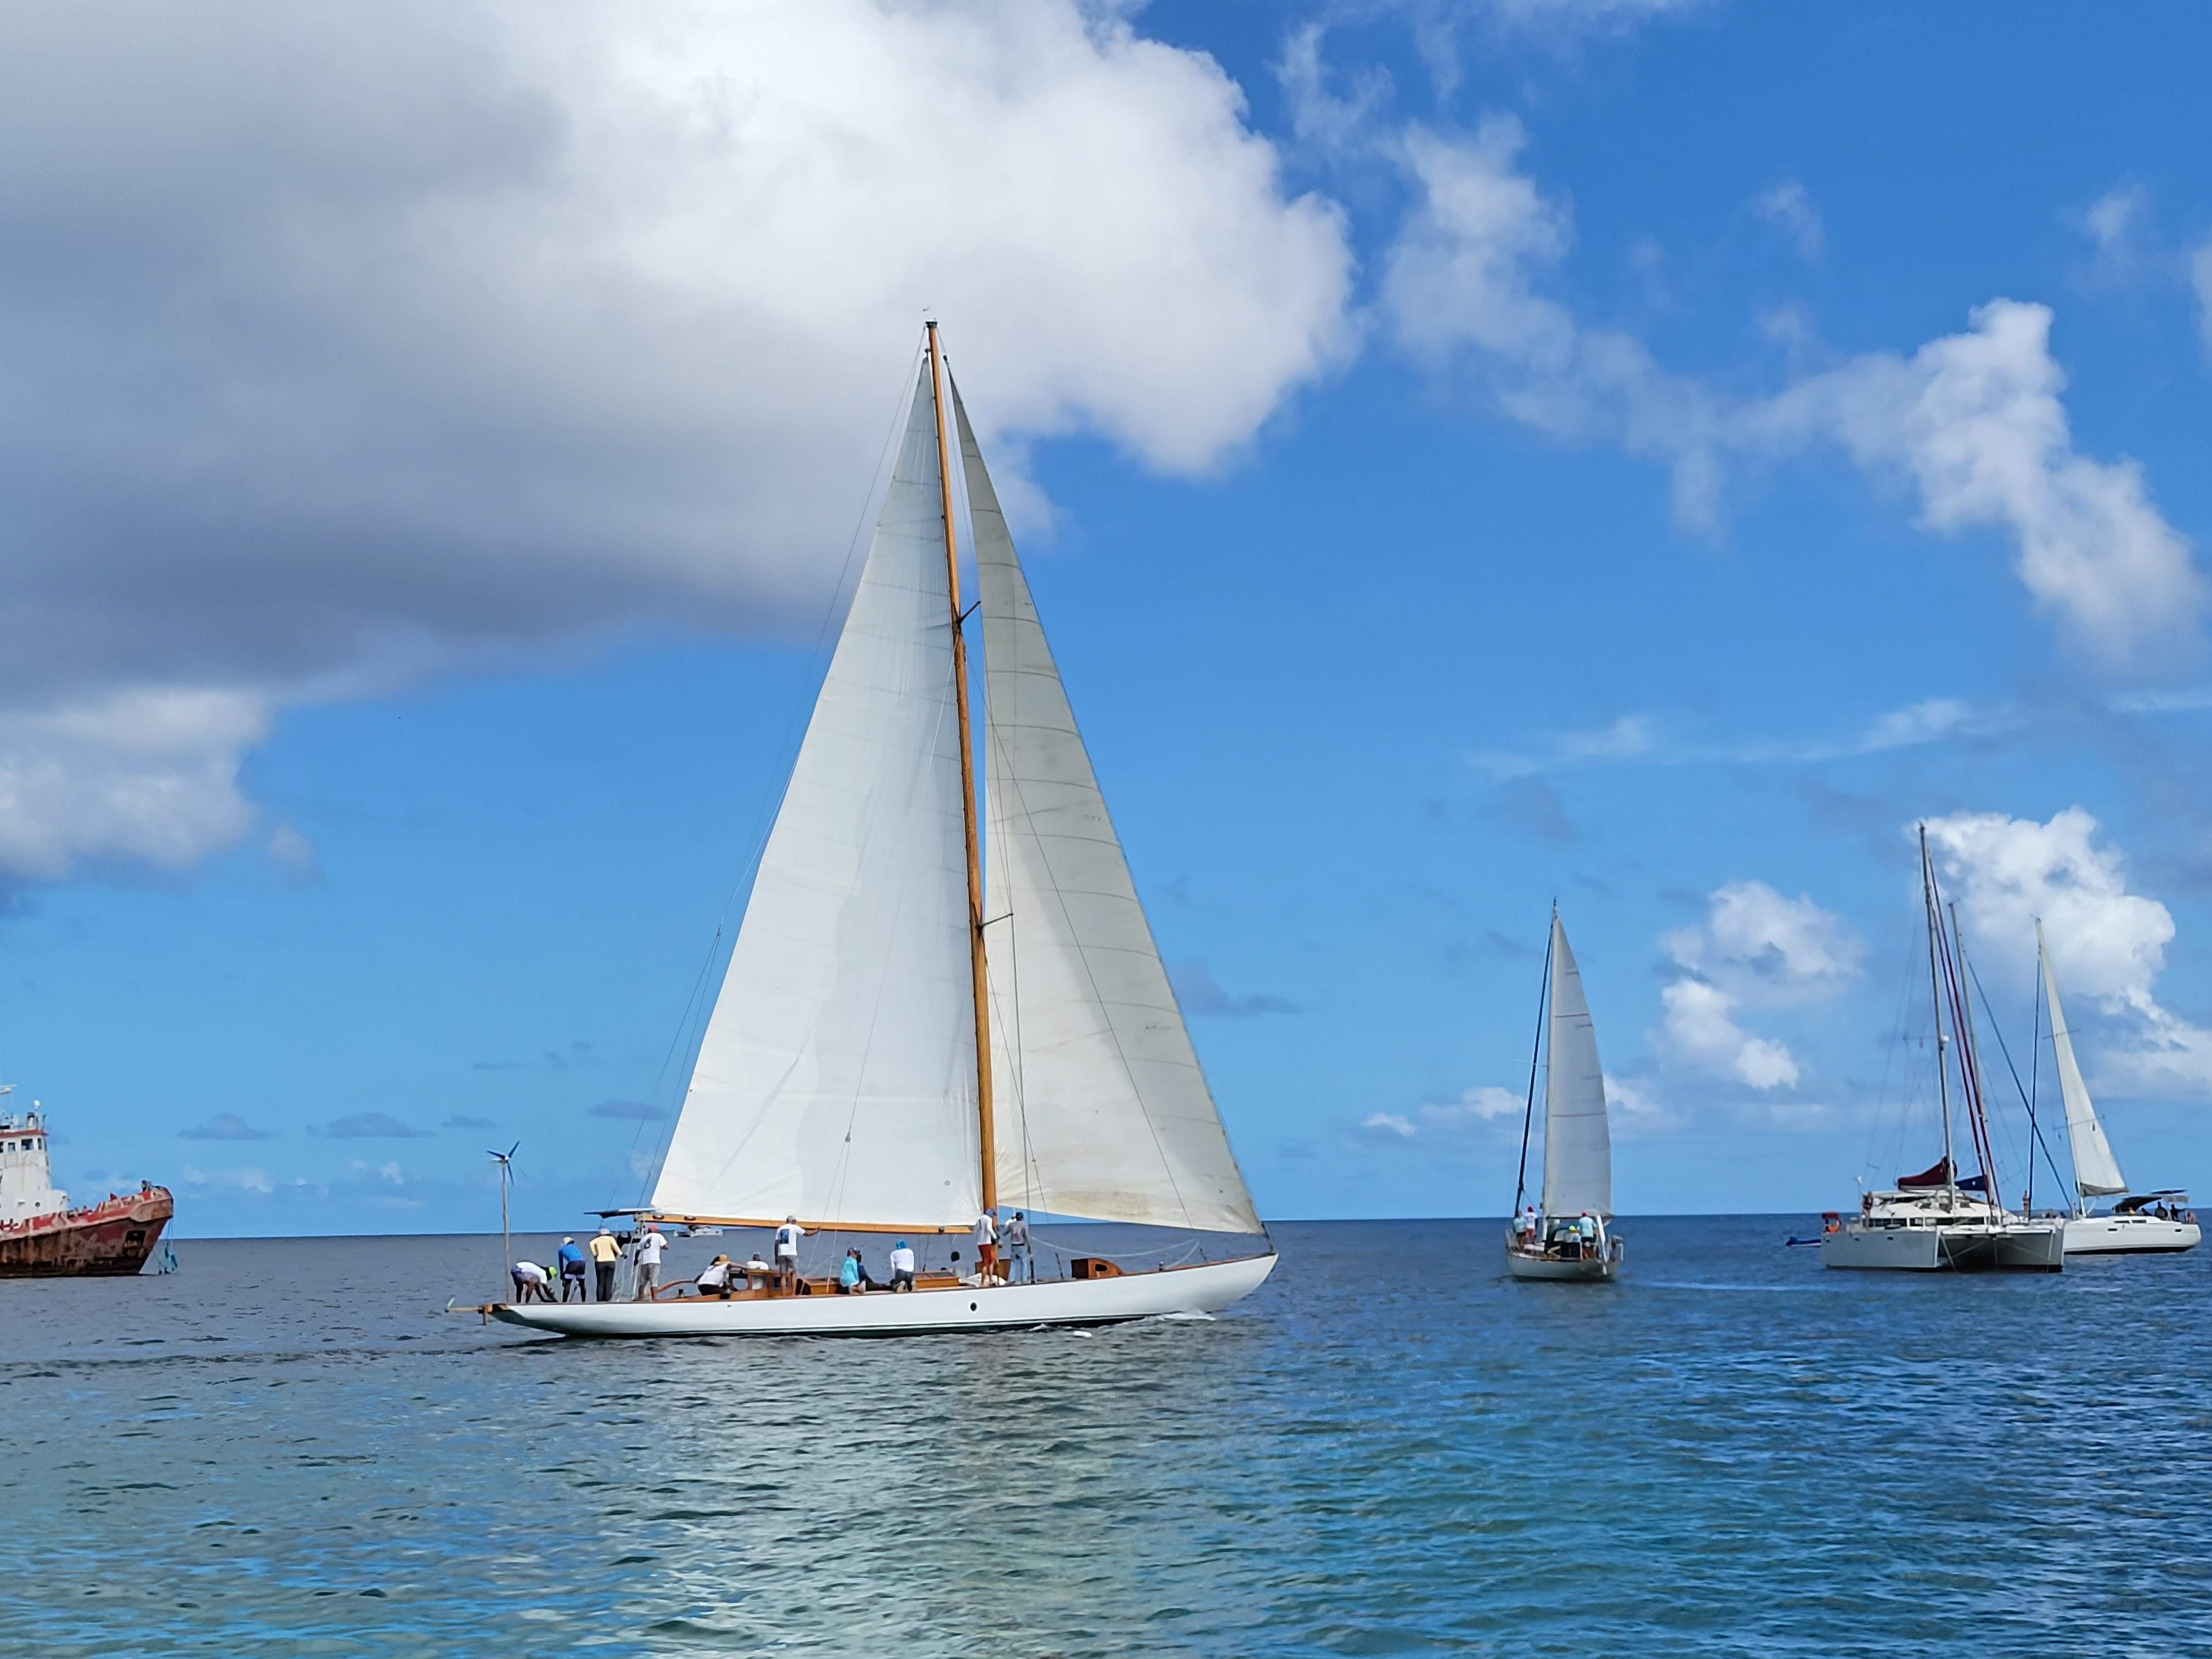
286, 1449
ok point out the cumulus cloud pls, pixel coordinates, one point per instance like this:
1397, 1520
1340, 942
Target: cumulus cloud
225, 1125
345, 343
371, 1126
1388, 1125
2107, 945
1971, 422
227, 1181
1788, 207
1753, 949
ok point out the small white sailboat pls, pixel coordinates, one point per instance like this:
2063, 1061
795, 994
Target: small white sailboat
887, 1057
2147, 1223
1932, 1221
1566, 1236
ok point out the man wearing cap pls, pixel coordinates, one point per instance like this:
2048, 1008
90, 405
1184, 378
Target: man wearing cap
650, 1244
786, 1250
571, 1270
604, 1254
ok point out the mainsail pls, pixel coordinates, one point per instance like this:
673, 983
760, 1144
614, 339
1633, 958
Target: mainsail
1577, 1150
836, 1079
1101, 1109
2096, 1171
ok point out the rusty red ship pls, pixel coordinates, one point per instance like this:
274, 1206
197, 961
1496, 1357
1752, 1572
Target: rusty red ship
40, 1236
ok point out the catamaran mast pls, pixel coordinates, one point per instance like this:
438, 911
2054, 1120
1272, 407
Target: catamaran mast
1935, 995
990, 1163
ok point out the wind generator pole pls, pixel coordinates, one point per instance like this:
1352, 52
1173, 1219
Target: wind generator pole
989, 1157
1935, 995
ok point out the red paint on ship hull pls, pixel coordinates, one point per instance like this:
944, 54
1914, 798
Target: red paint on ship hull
113, 1237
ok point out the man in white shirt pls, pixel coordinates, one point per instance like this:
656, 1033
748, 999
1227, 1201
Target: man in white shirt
901, 1267
987, 1246
715, 1279
531, 1282
786, 1250
650, 1244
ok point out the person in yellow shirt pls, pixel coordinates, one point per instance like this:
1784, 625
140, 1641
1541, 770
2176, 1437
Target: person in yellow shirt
604, 1254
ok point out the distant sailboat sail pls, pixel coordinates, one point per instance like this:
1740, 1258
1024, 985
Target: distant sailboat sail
1101, 1108
1577, 1150
836, 1079
2096, 1171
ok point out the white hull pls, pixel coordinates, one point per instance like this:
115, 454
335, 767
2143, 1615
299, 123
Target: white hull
2126, 1235
1589, 1270
1957, 1248
1201, 1289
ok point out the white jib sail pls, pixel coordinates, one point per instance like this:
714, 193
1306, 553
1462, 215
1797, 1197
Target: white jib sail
2096, 1171
1577, 1149
836, 1079
1099, 1106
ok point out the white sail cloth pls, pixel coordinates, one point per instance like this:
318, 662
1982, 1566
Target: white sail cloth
836, 1079
1099, 1106
1578, 1148
2096, 1171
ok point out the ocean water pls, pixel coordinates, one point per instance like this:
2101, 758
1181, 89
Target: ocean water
286, 1449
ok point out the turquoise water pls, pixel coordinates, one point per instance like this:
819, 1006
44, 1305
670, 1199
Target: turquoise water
284, 1450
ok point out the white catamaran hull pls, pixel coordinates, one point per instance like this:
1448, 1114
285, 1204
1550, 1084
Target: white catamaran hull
1589, 1270
1195, 1290
2124, 1235
1939, 1249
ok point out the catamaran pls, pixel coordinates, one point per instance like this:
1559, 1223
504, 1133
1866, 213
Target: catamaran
1567, 1238
884, 1057
1934, 1220
2145, 1223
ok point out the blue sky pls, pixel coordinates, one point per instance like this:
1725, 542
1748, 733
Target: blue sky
1644, 455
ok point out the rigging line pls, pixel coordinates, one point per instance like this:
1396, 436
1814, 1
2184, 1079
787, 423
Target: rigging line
1535, 1049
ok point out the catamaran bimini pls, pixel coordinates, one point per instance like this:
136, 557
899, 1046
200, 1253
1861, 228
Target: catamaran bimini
2151, 1221
869, 1065
1568, 1238
1934, 1220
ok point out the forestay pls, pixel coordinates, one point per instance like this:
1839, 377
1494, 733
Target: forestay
1100, 1107
1577, 1150
836, 1079
2096, 1171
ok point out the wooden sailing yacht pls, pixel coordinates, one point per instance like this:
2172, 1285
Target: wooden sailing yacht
884, 1057
1934, 1221
2147, 1223
1567, 1238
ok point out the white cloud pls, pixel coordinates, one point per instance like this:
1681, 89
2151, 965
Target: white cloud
1754, 949
232, 1180
296, 853
364, 340
1788, 207
1477, 1105
2116, 226
1971, 422
2107, 945
1388, 1123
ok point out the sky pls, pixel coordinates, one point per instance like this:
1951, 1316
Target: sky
1642, 455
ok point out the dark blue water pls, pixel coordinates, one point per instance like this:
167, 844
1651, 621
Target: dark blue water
285, 1450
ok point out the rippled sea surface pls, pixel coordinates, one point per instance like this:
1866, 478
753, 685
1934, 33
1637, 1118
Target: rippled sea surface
285, 1449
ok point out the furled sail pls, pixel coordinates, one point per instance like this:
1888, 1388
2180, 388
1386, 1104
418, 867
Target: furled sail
2096, 1171
836, 1079
1577, 1150
1099, 1106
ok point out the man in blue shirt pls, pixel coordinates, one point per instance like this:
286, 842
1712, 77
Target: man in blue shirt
571, 1270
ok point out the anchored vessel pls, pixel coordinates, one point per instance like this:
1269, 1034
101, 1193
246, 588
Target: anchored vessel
40, 1236
1934, 1220
886, 1057
1568, 1239
2147, 1223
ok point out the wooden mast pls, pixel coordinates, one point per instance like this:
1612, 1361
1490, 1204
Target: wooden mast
989, 1157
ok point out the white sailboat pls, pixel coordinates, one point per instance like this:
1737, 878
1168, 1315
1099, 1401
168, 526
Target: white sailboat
884, 1057
1932, 1221
1567, 1237
2151, 1221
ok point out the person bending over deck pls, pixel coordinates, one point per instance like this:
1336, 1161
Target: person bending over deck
531, 1282
901, 1267
604, 1254
650, 1244
571, 1270
1020, 1262
715, 1279
786, 1251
